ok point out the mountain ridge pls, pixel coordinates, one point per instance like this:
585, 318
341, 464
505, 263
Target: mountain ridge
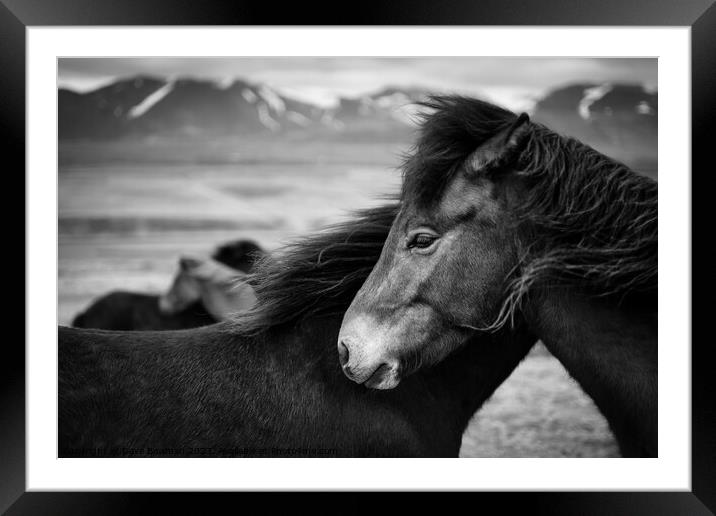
619, 119
144, 105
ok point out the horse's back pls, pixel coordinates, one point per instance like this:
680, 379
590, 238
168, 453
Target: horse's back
123, 388
208, 387
188, 389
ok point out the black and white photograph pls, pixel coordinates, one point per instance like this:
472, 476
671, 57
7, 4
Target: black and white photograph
273, 253
338, 257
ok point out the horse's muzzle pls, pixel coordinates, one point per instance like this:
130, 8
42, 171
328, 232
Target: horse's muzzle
374, 374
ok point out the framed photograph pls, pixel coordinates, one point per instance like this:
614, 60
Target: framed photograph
413, 251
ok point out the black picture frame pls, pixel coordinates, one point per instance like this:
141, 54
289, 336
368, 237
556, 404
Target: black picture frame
17, 15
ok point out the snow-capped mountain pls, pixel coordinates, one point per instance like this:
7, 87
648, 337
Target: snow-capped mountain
619, 119
102, 113
148, 106
392, 103
143, 106
590, 101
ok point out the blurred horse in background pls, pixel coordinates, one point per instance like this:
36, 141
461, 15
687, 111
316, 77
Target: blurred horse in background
134, 311
223, 291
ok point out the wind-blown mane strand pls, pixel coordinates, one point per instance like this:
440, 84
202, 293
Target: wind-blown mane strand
319, 274
596, 218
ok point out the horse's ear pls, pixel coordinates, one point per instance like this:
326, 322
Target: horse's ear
187, 263
501, 148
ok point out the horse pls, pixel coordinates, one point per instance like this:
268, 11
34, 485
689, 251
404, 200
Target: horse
504, 222
267, 383
223, 291
125, 311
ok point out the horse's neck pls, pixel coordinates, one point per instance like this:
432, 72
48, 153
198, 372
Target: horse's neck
612, 353
445, 395
469, 377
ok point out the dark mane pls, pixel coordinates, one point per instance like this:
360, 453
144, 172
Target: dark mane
319, 274
451, 127
594, 219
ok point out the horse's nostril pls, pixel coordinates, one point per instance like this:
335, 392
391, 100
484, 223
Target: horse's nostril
343, 353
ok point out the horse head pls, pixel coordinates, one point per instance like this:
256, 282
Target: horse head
441, 273
222, 290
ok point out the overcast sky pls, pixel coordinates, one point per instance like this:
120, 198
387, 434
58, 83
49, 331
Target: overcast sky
513, 82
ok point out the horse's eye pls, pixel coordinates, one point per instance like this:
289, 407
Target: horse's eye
422, 240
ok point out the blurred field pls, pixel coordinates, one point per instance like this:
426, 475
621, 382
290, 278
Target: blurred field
126, 212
